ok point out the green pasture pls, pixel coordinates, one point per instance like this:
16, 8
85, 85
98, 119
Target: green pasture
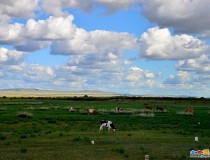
43, 128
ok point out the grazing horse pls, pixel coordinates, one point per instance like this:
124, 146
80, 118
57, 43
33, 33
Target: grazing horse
107, 124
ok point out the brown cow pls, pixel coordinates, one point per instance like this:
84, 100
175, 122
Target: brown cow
91, 111
189, 110
148, 107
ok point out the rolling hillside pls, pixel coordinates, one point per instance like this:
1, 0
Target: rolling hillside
22, 92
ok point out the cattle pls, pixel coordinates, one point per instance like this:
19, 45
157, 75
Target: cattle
108, 124
159, 109
189, 110
91, 111
148, 107
118, 109
72, 109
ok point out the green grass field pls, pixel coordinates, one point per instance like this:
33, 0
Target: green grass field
43, 128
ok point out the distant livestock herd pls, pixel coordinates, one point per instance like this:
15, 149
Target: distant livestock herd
93, 111
120, 110
157, 108
110, 125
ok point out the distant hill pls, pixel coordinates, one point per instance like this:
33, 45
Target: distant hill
30, 92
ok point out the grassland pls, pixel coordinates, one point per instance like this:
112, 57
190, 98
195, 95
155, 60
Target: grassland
44, 129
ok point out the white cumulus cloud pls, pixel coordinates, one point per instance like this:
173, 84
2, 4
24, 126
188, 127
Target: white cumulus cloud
199, 65
10, 57
10, 33
98, 41
136, 74
185, 16
109, 6
17, 9
53, 28
37, 72
160, 44
180, 78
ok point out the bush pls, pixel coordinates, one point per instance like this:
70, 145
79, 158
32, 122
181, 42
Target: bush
126, 155
129, 134
2, 137
3, 109
177, 156
61, 134
43, 108
119, 150
23, 136
24, 115
87, 139
76, 139
52, 121
23, 150
185, 113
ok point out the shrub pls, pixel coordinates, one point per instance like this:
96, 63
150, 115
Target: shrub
24, 115
61, 134
145, 114
185, 113
43, 108
87, 139
2, 137
23, 150
76, 139
126, 155
23, 136
52, 121
129, 134
103, 111
8, 144
3, 109
177, 156
119, 150
164, 132
141, 148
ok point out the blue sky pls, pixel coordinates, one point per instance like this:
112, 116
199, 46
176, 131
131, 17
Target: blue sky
129, 46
